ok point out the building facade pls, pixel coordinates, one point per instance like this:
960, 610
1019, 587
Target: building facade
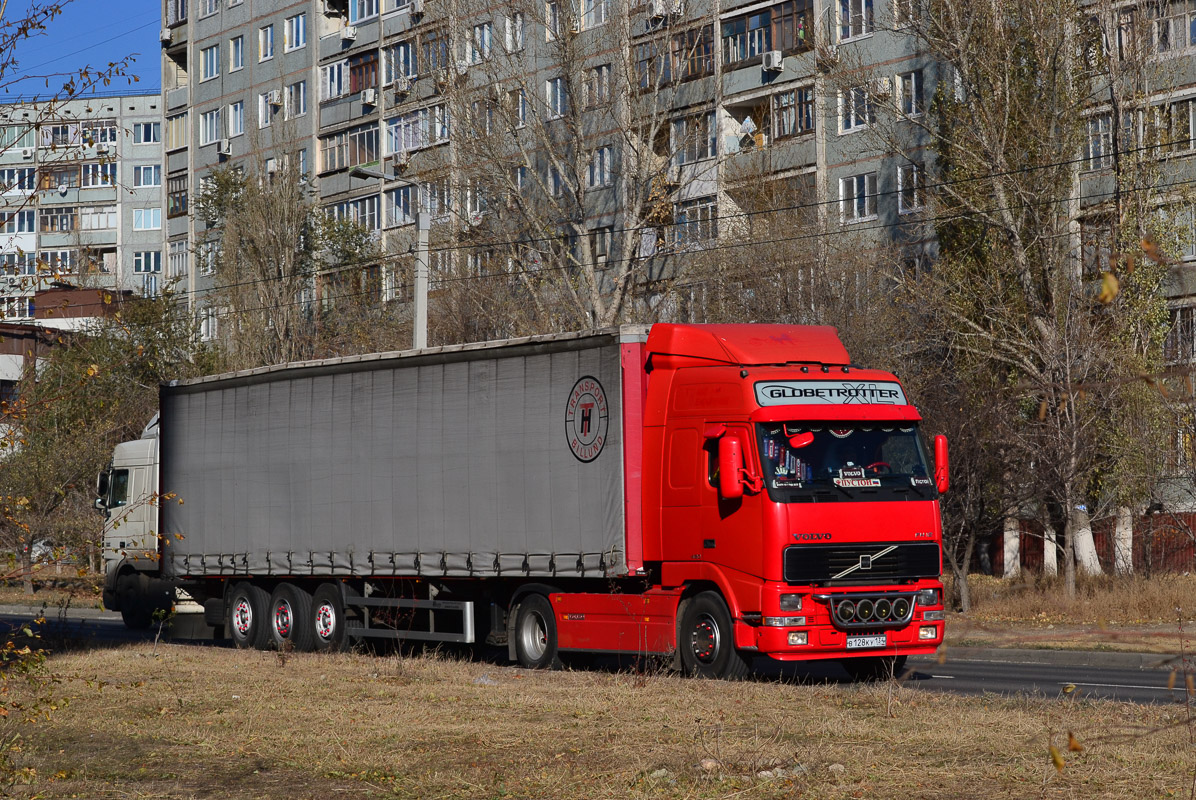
81, 193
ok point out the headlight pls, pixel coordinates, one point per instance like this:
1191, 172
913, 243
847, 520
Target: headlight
928, 597
791, 602
784, 622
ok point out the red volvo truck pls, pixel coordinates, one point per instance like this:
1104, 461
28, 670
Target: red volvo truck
713, 492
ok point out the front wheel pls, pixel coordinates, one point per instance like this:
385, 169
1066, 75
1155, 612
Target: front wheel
874, 668
535, 633
707, 639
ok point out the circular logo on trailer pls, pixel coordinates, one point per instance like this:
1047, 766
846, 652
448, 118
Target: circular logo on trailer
586, 419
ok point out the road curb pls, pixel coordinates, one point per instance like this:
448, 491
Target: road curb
1087, 658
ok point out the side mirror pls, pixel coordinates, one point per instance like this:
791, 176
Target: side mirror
941, 479
730, 466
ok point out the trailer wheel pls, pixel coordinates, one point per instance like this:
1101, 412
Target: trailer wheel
327, 618
290, 610
707, 640
875, 668
535, 633
248, 616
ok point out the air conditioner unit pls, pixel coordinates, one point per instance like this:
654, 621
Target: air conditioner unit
678, 7
498, 91
417, 7
274, 97
224, 147
349, 34
400, 158
402, 86
672, 175
26, 152
271, 166
101, 148
574, 28
774, 61
166, 35
658, 9
369, 97
882, 88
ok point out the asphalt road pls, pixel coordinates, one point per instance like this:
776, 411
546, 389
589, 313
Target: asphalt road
1128, 677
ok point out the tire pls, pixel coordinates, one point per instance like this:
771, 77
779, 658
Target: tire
706, 639
535, 634
326, 620
290, 618
140, 599
874, 668
248, 616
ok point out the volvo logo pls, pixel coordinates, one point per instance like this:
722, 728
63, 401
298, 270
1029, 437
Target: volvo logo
865, 562
812, 537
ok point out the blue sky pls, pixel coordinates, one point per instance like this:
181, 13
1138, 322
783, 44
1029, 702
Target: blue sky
91, 33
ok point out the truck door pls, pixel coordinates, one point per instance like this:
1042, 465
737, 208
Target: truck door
681, 497
731, 529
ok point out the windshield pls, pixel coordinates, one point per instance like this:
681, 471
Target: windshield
843, 461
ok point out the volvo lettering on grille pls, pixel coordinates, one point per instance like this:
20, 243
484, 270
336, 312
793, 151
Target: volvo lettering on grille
865, 562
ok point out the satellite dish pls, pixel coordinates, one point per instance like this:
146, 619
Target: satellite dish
747, 127
62, 187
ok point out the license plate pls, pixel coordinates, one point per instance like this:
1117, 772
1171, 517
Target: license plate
865, 642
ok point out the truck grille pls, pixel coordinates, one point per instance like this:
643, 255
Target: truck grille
861, 563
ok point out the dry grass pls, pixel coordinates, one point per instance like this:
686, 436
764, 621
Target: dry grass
187, 721
53, 587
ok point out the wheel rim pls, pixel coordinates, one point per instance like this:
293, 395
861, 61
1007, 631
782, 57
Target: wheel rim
533, 636
325, 621
705, 639
283, 619
243, 616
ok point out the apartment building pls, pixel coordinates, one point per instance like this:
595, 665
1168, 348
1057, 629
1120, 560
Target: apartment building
80, 197
385, 104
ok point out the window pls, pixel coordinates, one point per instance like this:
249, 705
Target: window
349, 148
296, 100
334, 80
363, 71
905, 12
693, 53
793, 112
53, 178
265, 109
363, 211
208, 322
598, 173
1180, 344
433, 51
147, 175
594, 13
236, 118
475, 200
856, 109
97, 218
100, 131
301, 162
236, 53
909, 188
514, 37
416, 129
18, 263
785, 27
600, 244
16, 178
554, 90
147, 261
482, 117
398, 60
855, 18
360, 10
1098, 150
652, 67
176, 196
556, 183
147, 219
479, 42
16, 136
265, 43
696, 221
176, 261
909, 93
595, 88
694, 138
206, 256
295, 33
552, 20
1172, 27
208, 7
857, 197
57, 261
401, 205
518, 106
59, 135
19, 222
210, 61
147, 133
1173, 125
209, 127
176, 131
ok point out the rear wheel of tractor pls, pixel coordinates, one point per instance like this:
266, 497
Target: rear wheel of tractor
248, 616
290, 618
874, 668
535, 633
327, 618
707, 639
